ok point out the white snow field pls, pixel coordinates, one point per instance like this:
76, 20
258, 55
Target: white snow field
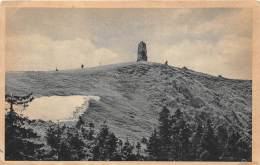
57, 108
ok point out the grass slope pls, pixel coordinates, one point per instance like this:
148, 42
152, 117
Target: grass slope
132, 95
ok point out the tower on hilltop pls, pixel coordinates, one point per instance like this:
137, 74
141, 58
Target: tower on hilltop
142, 52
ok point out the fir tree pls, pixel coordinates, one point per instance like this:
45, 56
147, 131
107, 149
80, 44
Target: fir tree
138, 147
88, 132
239, 147
66, 143
164, 134
91, 131
222, 137
18, 139
110, 146
195, 142
180, 132
80, 122
105, 145
153, 146
138, 151
127, 151
209, 144
54, 140
76, 144
144, 140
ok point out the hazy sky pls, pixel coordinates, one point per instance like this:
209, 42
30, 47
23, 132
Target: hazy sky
215, 41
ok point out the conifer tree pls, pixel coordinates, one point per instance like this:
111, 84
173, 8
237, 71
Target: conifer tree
88, 131
222, 137
144, 140
18, 139
80, 123
209, 144
127, 151
54, 140
238, 147
138, 151
195, 142
164, 134
110, 146
138, 147
184, 143
91, 131
105, 145
180, 134
66, 143
153, 146
75, 143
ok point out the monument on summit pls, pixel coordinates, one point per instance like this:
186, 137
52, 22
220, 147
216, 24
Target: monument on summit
142, 52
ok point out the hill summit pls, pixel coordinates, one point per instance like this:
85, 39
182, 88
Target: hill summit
132, 95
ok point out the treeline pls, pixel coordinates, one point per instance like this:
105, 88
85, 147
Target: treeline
174, 139
178, 140
67, 143
83, 143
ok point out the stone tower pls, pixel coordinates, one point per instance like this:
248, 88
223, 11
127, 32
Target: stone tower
142, 52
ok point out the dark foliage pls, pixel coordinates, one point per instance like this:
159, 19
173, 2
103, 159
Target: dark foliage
153, 146
66, 143
20, 141
174, 139
105, 145
177, 140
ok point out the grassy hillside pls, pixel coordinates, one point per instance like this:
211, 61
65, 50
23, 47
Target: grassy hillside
132, 94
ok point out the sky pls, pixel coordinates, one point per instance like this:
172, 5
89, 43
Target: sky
216, 41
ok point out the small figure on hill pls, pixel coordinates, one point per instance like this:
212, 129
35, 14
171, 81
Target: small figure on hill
166, 62
82, 66
57, 69
184, 68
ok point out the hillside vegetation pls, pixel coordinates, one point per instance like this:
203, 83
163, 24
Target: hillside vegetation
133, 94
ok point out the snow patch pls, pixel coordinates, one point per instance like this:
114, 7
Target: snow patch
58, 108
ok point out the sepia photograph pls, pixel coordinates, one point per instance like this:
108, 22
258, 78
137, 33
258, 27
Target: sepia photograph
128, 84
